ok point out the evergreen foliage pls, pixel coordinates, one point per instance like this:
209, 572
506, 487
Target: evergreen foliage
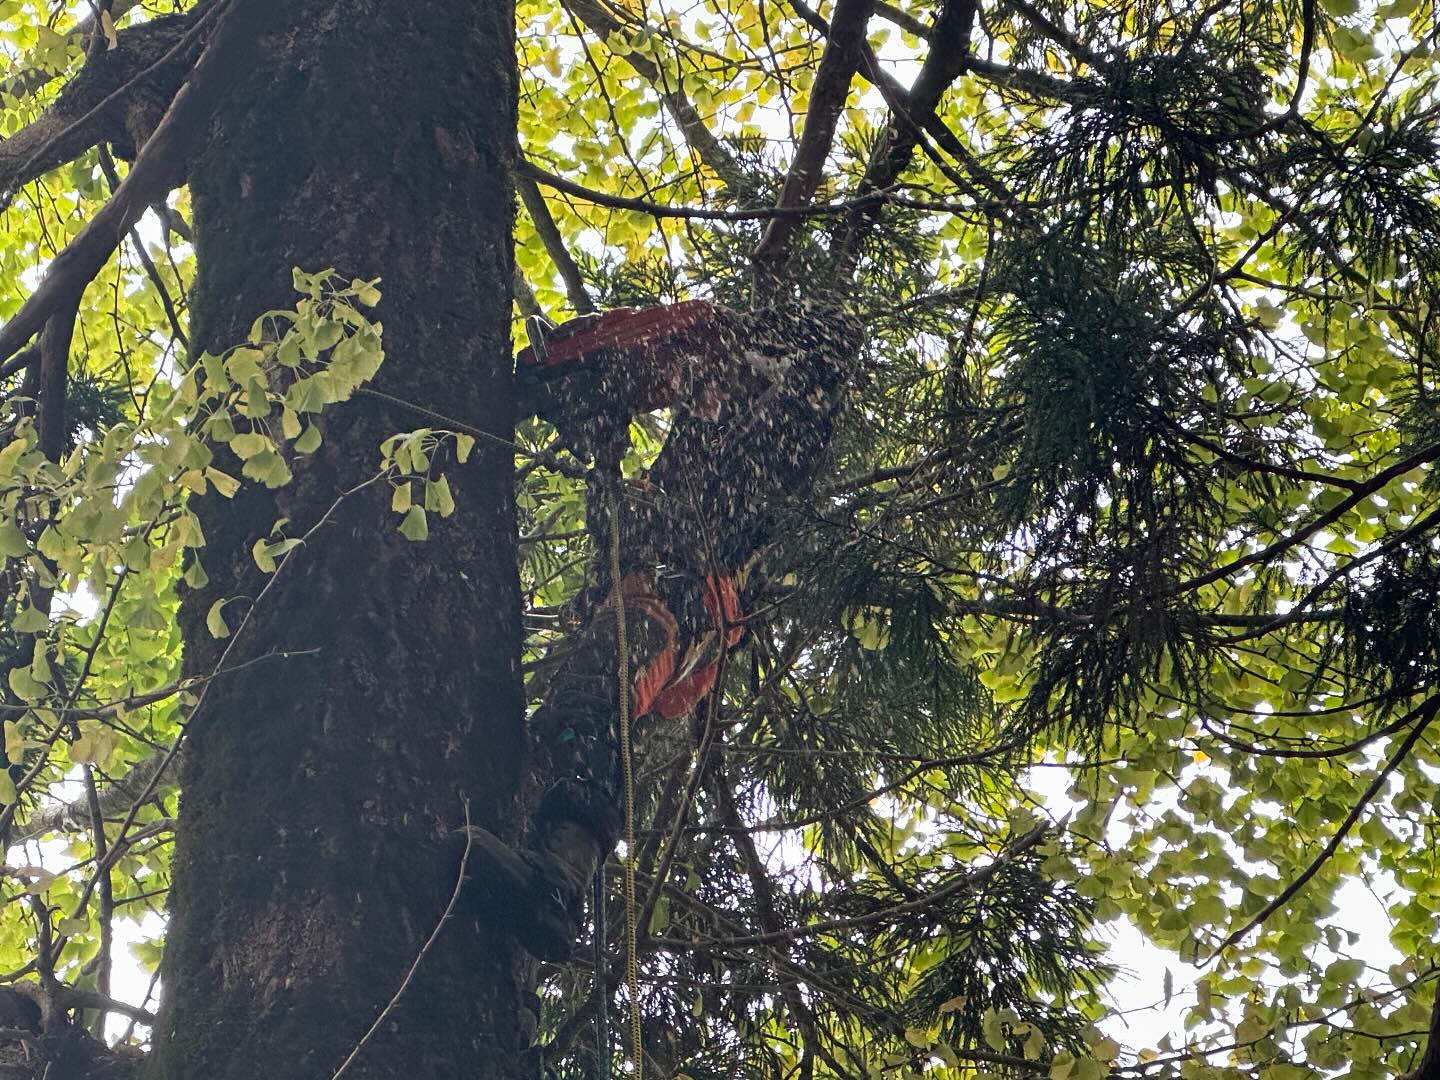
1136, 481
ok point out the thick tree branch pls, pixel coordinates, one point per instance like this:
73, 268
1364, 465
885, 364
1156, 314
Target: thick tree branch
914, 125
1429, 1067
37, 78
944, 63
159, 167
112, 177
909, 23
118, 96
843, 53
1074, 91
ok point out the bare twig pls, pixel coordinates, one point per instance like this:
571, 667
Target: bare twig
424, 949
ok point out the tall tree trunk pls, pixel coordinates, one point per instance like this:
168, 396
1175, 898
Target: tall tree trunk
322, 793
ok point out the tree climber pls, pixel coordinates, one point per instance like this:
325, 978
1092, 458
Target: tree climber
754, 397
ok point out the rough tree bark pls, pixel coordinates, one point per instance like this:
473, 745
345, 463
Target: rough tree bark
322, 794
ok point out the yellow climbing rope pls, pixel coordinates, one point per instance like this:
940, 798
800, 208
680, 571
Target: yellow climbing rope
627, 772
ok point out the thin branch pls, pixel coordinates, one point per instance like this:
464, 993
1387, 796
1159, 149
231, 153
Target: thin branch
424, 950
672, 840
1307, 45
1429, 1067
1313, 754
112, 177
1058, 34
1421, 457
767, 913
103, 961
693, 213
549, 234
1422, 715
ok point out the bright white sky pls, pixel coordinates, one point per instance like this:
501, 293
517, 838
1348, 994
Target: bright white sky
1142, 1016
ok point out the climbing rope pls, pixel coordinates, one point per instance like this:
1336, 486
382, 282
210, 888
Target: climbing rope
627, 772
448, 421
